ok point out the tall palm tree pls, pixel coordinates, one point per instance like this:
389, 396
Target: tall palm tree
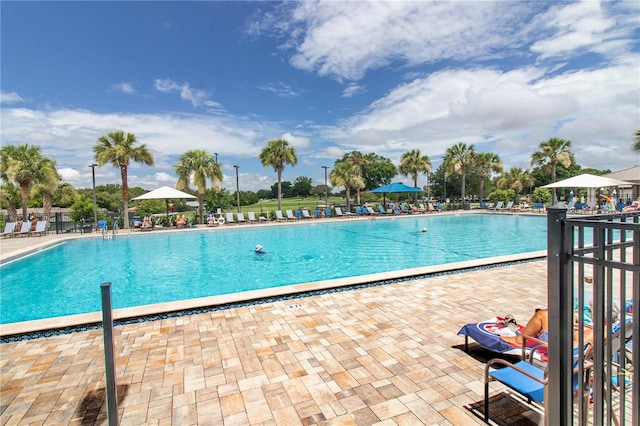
118, 149
345, 174
459, 158
516, 179
359, 160
24, 165
202, 166
552, 152
487, 163
47, 186
276, 154
412, 164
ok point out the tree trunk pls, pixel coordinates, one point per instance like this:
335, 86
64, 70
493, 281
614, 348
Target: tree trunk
24, 194
279, 189
201, 206
125, 196
415, 194
346, 189
46, 205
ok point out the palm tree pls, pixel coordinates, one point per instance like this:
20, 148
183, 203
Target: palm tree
10, 196
47, 186
24, 165
487, 163
516, 179
412, 164
459, 158
345, 173
276, 154
636, 146
118, 149
551, 153
202, 165
359, 160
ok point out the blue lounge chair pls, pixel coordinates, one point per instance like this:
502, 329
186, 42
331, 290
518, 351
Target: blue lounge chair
381, 209
328, 213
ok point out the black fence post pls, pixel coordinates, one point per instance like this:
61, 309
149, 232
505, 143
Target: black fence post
559, 401
109, 356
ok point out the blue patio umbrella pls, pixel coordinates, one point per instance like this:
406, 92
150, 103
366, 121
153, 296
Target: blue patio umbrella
395, 187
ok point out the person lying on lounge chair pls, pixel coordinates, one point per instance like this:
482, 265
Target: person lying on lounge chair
538, 327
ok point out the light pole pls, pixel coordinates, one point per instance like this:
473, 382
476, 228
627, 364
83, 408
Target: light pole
237, 187
326, 188
95, 211
216, 154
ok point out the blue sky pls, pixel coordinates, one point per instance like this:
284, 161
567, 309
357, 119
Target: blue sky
330, 77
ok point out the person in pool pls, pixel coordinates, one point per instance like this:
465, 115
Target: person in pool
259, 249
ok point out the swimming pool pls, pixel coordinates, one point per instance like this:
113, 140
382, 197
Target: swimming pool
154, 268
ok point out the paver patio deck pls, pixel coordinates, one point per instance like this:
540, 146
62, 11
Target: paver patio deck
385, 355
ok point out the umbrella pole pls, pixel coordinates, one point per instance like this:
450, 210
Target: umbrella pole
167, 201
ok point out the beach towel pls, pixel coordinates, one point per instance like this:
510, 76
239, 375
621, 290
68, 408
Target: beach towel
487, 334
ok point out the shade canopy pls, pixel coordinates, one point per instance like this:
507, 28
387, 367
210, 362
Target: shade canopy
396, 187
164, 193
586, 180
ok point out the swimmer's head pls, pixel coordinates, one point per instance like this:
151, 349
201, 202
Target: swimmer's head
424, 230
258, 248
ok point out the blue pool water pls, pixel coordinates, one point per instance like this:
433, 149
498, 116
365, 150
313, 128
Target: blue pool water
162, 267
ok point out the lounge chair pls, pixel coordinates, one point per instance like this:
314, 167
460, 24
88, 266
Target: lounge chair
102, 226
41, 228
279, 216
339, 213
509, 206
487, 334
306, 215
241, 218
229, 217
432, 209
499, 206
317, 213
9, 229
530, 380
298, 214
251, 217
290, 215
372, 211
24, 229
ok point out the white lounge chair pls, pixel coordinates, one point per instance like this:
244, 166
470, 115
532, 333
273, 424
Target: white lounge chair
306, 214
279, 216
24, 229
241, 218
251, 217
499, 206
339, 213
230, 218
9, 229
290, 215
41, 228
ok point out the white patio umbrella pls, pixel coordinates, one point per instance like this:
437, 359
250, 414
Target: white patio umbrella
586, 180
164, 193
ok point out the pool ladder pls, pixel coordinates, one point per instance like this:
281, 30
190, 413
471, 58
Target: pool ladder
108, 236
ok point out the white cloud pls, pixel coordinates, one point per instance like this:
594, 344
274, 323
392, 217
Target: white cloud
197, 97
124, 88
279, 89
352, 90
346, 39
296, 141
575, 26
10, 97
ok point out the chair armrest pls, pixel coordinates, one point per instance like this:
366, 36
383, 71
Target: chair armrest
508, 364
